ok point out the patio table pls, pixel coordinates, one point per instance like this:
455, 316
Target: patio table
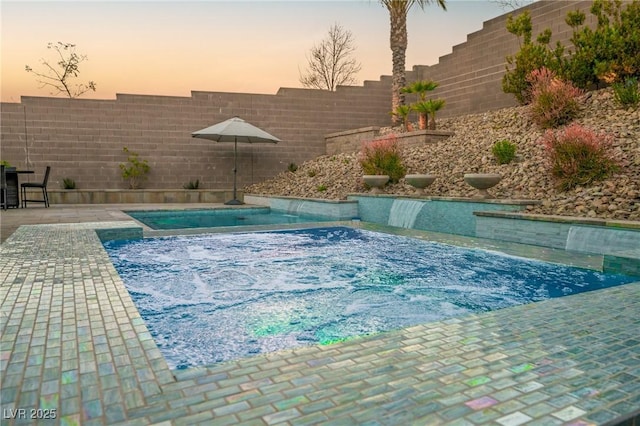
13, 186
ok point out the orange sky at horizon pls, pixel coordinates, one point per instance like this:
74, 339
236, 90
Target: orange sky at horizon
172, 48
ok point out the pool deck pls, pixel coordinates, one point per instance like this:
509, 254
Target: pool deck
74, 346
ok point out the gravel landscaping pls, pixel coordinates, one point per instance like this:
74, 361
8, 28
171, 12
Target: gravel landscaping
469, 151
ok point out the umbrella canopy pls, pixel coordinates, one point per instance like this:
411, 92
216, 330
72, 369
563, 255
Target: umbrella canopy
235, 130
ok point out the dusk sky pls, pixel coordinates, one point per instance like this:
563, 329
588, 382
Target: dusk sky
171, 48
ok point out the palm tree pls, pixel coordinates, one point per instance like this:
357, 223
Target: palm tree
398, 10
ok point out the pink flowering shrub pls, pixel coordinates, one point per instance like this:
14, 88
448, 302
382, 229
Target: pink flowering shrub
383, 157
579, 156
553, 101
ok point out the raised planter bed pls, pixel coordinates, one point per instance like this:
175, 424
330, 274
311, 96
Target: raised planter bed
351, 140
135, 196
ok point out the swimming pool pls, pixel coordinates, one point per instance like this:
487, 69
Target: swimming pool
218, 297
211, 218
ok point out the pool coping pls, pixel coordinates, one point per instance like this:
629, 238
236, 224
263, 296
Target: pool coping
72, 340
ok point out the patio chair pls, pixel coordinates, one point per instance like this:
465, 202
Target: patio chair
3, 188
43, 186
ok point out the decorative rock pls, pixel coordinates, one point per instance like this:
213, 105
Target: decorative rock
474, 135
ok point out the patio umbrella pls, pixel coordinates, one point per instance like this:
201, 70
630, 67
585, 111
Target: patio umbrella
235, 130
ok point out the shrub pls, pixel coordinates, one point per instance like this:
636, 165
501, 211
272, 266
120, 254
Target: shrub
192, 184
609, 52
579, 156
627, 93
504, 151
68, 183
553, 101
532, 56
292, 167
134, 170
321, 188
382, 157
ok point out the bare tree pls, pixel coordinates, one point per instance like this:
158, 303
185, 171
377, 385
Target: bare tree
331, 62
511, 4
57, 75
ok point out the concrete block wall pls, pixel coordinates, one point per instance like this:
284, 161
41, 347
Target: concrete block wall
470, 77
83, 139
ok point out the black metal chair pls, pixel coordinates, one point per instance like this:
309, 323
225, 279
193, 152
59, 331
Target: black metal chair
43, 186
3, 188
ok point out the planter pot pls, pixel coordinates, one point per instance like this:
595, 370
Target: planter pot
420, 181
482, 182
375, 182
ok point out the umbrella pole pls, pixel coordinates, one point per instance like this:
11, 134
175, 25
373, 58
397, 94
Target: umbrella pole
235, 200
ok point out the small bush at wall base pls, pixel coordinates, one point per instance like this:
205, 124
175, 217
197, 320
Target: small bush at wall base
579, 156
382, 157
504, 151
626, 93
68, 183
192, 184
292, 167
134, 170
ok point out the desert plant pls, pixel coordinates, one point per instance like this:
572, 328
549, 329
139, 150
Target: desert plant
292, 167
422, 106
627, 93
312, 173
5, 163
321, 188
420, 87
532, 56
579, 156
192, 184
435, 105
402, 112
609, 52
383, 157
553, 100
134, 170
68, 183
504, 151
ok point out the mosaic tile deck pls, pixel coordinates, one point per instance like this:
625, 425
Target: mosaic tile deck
74, 350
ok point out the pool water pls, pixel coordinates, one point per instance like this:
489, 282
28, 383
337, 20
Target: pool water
211, 218
211, 298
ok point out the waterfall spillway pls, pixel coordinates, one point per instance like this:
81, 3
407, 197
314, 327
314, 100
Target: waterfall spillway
404, 213
601, 240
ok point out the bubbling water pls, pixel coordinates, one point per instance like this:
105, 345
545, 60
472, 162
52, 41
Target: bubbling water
212, 298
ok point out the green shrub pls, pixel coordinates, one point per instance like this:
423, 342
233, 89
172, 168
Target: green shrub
312, 173
553, 101
68, 183
192, 184
321, 188
5, 163
609, 52
134, 170
382, 157
626, 93
504, 151
579, 156
292, 167
532, 56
